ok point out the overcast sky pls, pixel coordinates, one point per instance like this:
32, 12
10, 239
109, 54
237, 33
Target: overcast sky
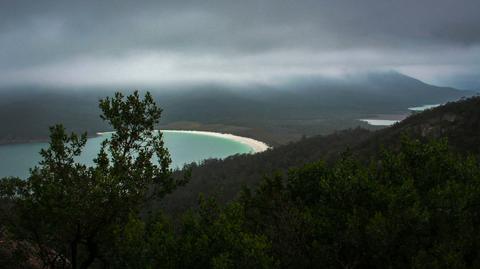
107, 42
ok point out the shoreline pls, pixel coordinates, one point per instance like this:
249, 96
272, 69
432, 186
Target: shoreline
256, 145
379, 122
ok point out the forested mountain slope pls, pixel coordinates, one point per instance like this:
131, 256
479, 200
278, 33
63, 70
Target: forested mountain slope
459, 122
414, 205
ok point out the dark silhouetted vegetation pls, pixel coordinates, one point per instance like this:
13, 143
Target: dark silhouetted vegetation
68, 212
340, 201
415, 208
459, 122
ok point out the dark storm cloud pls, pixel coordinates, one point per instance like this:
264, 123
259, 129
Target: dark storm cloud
49, 41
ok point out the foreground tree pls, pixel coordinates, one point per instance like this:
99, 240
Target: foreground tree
69, 212
417, 207
211, 236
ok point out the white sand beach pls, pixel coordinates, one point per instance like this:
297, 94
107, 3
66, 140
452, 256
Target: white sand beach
379, 122
257, 146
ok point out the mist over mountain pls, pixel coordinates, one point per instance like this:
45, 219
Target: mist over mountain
332, 134
316, 105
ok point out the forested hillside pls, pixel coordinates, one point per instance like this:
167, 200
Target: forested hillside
346, 201
459, 122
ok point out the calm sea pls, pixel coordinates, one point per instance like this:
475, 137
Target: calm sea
15, 160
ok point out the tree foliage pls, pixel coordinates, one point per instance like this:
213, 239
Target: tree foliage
212, 236
414, 207
67, 210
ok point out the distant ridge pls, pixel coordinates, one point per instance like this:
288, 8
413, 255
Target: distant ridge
274, 114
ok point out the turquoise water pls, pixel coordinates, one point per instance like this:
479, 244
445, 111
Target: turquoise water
15, 160
382, 122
